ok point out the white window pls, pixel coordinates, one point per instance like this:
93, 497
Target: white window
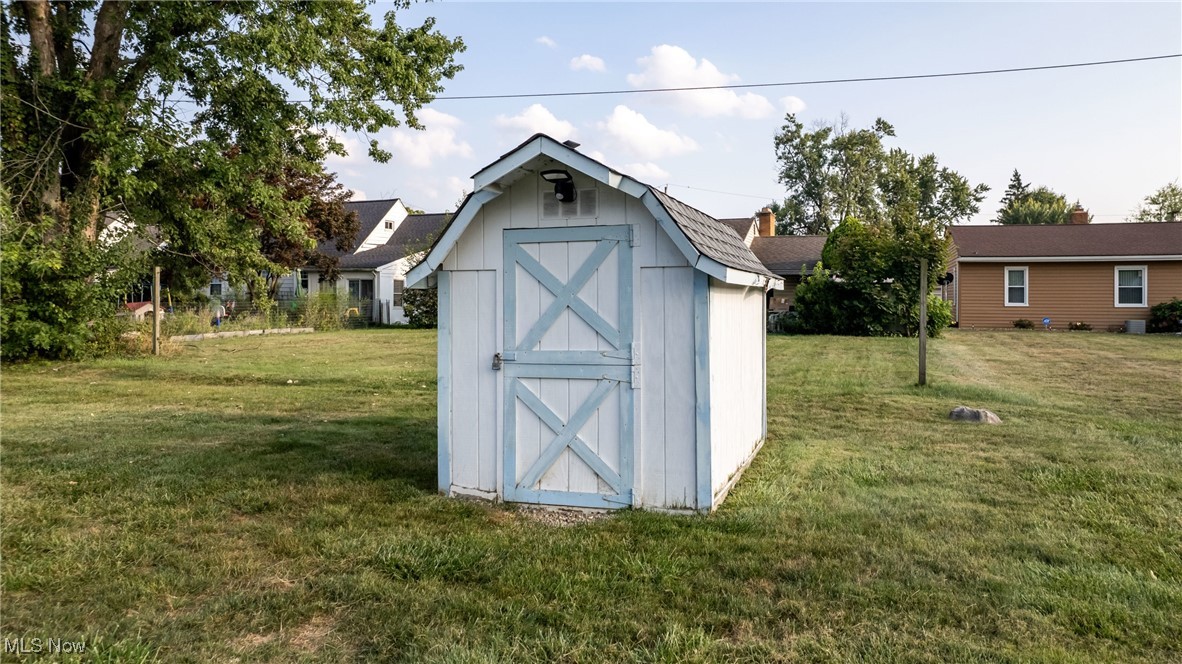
1131, 284
389, 225
215, 289
1017, 286
399, 286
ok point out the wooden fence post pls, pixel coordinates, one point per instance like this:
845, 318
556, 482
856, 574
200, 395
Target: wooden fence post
923, 321
156, 310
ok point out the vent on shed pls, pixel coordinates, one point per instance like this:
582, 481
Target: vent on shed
586, 204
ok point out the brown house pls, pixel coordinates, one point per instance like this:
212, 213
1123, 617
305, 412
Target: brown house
788, 256
1099, 274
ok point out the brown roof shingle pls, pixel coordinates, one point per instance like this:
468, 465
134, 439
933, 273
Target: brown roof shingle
716, 240
1150, 239
740, 224
786, 255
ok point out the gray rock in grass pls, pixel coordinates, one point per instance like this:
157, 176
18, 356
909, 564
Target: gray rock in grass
966, 414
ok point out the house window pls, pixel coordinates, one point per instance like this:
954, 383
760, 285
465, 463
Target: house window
399, 286
361, 290
1017, 285
389, 225
215, 289
304, 280
1131, 284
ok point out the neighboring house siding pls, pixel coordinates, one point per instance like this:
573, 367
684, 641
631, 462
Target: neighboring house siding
1063, 292
784, 299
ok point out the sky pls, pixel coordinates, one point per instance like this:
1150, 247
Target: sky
1106, 136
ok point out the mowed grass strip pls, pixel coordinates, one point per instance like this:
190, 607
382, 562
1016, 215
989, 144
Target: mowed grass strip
272, 499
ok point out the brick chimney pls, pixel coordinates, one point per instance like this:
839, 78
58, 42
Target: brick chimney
1079, 215
767, 222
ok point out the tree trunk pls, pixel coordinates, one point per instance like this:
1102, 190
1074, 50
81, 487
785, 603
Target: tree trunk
37, 13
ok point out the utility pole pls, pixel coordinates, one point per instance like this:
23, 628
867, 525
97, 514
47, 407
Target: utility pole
923, 321
156, 310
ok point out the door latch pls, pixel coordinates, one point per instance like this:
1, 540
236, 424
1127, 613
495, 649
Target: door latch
497, 361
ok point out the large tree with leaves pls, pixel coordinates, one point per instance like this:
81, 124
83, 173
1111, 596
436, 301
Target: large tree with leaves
187, 117
834, 172
1022, 205
1165, 204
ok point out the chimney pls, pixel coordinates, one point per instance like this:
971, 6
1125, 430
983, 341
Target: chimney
767, 222
1079, 215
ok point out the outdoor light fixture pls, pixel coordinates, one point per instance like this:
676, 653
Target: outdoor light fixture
564, 185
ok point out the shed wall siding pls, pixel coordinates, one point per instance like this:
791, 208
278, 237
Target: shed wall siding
667, 463
663, 282
473, 322
1064, 292
736, 378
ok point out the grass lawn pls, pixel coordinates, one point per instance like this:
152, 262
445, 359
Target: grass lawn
271, 499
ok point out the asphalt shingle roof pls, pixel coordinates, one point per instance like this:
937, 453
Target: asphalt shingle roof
1150, 239
416, 233
369, 215
710, 236
740, 224
786, 255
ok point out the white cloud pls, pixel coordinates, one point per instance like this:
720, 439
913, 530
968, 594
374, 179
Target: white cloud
546, 41
588, 62
358, 195
438, 138
646, 171
537, 119
793, 104
673, 67
434, 195
633, 132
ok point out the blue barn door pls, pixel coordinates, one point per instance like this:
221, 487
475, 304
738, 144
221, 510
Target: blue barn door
568, 366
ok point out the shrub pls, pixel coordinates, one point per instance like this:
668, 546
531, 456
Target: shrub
1080, 326
1024, 324
421, 306
185, 322
829, 306
939, 315
322, 311
785, 322
1166, 316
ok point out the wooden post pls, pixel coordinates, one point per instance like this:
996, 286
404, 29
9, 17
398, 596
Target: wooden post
156, 310
923, 321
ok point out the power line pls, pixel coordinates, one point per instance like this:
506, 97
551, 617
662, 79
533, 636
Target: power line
725, 193
861, 79
748, 86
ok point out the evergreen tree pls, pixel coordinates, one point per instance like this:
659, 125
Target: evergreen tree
1016, 191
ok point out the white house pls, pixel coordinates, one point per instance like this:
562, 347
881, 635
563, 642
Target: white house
604, 350
387, 244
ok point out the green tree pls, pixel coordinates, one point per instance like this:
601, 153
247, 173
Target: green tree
1038, 206
1165, 204
1016, 191
187, 117
833, 172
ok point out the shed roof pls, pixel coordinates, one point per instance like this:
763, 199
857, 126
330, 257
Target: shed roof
787, 255
1068, 240
708, 244
710, 236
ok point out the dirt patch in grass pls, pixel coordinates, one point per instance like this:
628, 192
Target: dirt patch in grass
310, 636
562, 518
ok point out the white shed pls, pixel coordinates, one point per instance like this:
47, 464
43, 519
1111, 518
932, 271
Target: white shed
606, 351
